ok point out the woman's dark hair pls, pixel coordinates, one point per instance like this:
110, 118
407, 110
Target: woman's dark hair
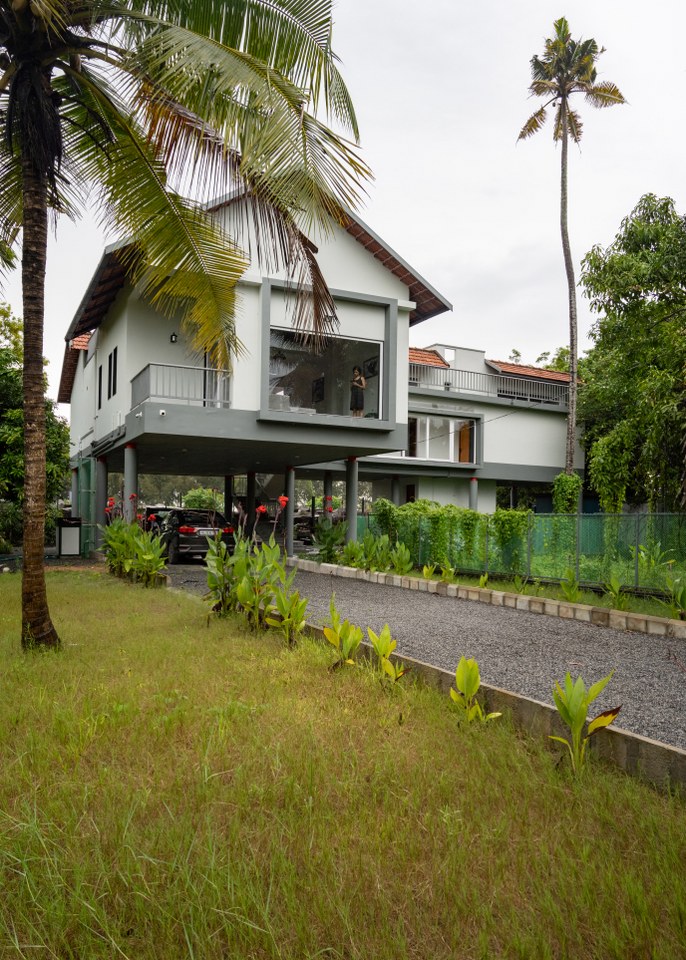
359, 369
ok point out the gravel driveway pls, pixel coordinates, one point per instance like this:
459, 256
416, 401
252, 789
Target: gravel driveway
518, 651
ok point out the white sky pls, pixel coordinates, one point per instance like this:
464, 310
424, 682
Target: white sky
441, 94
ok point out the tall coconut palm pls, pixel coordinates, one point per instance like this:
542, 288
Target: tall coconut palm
131, 104
567, 67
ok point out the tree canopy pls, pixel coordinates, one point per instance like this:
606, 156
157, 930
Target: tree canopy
632, 400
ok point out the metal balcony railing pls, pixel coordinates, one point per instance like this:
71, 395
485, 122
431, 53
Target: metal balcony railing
536, 392
197, 386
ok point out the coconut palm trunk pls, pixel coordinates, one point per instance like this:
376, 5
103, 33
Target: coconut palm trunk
571, 292
37, 628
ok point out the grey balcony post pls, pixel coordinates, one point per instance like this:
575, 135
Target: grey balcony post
474, 493
290, 509
75, 508
130, 481
351, 474
328, 492
395, 489
228, 496
250, 501
100, 498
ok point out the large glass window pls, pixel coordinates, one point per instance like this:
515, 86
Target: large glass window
442, 438
302, 381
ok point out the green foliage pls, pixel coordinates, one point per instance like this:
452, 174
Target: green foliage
260, 572
377, 551
428, 570
292, 613
204, 498
676, 602
467, 682
616, 595
130, 551
447, 573
401, 560
221, 578
631, 399
343, 636
510, 528
570, 587
384, 645
328, 536
385, 514
566, 491
572, 704
353, 554
483, 581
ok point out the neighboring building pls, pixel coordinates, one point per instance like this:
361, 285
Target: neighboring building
474, 424
142, 402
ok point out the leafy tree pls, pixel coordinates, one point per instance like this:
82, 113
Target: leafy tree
204, 498
131, 102
567, 67
632, 398
12, 430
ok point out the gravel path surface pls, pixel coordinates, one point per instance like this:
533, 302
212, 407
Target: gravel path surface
518, 651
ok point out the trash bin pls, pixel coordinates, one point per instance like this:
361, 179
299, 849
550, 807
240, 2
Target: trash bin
69, 537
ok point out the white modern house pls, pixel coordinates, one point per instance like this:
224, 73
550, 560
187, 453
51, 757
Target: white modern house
143, 402
443, 423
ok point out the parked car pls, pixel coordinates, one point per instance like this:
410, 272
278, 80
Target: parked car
185, 532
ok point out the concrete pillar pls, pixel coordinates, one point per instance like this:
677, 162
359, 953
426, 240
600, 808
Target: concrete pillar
290, 509
100, 498
130, 481
474, 493
228, 497
75, 507
328, 488
395, 489
351, 474
251, 491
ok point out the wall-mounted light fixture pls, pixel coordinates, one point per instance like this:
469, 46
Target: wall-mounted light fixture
174, 337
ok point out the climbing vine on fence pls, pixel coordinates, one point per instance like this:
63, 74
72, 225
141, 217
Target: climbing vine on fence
566, 490
510, 529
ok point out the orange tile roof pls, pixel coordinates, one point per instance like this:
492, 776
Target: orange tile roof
519, 370
430, 358
80, 342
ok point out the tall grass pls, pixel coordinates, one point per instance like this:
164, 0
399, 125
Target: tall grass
173, 789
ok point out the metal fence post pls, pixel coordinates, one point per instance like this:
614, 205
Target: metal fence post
528, 545
638, 544
578, 544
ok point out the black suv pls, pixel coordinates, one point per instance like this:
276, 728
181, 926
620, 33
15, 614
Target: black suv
185, 532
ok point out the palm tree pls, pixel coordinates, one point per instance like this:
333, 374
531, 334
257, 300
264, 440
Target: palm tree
567, 67
149, 107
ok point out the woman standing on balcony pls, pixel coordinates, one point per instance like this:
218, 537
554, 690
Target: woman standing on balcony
358, 386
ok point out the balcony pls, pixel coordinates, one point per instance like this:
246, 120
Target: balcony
195, 386
548, 393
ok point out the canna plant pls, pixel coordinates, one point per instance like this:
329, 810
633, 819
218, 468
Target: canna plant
291, 610
467, 682
572, 704
428, 570
343, 636
570, 587
384, 645
401, 559
615, 594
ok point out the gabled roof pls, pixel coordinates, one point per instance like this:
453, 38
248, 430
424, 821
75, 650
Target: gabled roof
519, 370
430, 358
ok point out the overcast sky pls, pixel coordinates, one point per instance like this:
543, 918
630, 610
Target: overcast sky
441, 94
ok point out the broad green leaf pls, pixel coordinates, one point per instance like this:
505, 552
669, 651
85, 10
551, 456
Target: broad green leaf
603, 720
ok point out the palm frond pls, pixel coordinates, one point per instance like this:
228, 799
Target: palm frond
293, 37
533, 124
574, 125
604, 94
182, 262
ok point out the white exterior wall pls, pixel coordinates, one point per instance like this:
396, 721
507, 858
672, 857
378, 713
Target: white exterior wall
456, 492
525, 437
462, 358
82, 413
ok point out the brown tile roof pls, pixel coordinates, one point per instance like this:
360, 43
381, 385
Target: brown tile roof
519, 370
81, 342
430, 358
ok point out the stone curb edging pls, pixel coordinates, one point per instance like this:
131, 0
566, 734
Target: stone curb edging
662, 765
658, 763
599, 616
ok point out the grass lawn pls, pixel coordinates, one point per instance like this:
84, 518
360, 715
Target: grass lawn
174, 789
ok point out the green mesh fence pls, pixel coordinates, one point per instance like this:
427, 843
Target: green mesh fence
86, 478
640, 550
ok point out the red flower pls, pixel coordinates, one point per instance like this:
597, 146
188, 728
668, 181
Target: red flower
110, 501
139, 516
283, 501
330, 509
328, 498
152, 518
261, 509
133, 496
108, 509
